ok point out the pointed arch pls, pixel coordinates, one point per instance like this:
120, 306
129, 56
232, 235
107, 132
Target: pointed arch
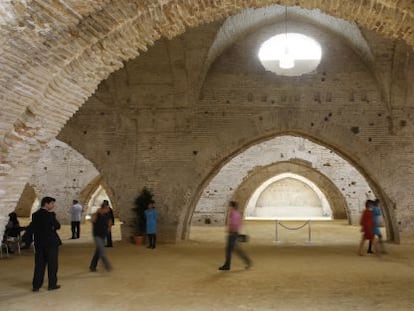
371, 188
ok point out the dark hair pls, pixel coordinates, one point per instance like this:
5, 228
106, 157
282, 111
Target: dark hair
234, 204
13, 217
75, 201
47, 200
105, 203
368, 203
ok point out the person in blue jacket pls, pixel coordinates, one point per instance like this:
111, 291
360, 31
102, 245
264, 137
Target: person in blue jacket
377, 222
151, 222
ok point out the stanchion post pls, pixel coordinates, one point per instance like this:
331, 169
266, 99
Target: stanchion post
276, 233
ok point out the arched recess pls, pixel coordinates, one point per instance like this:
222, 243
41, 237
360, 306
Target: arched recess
355, 198
260, 175
307, 199
27, 202
82, 43
87, 193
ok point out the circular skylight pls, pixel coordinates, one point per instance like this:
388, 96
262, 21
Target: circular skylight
290, 54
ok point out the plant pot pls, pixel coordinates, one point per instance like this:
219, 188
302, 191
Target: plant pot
139, 239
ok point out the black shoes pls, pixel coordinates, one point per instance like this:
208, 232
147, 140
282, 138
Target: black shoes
226, 268
92, 269
49, 288
53, 287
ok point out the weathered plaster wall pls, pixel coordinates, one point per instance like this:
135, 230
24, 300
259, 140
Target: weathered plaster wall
288, 196
62, 173
246, 192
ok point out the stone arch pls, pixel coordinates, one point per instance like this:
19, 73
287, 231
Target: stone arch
55, 55
308, 192
335, 198
387, 205
90, 189
26, 201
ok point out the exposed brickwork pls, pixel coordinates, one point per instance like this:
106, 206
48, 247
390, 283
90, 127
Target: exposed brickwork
224, 186
170, 136
54, 54
62, 173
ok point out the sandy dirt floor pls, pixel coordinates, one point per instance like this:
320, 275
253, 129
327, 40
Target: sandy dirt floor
293, 274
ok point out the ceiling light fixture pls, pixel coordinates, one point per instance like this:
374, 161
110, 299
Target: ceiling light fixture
286, 61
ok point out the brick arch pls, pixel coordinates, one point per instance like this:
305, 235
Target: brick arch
54, 56
354, 144
89, 190
26, 201
249, 185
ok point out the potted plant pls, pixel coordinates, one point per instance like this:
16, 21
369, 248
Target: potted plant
141, 204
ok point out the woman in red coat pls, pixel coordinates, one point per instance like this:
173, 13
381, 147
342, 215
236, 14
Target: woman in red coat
367, 227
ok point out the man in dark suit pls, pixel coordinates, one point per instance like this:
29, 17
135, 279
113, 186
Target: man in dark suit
46, 241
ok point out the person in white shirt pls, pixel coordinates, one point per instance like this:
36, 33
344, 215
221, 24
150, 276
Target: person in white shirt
76, 219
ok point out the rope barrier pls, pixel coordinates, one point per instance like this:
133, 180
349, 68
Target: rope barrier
296, 228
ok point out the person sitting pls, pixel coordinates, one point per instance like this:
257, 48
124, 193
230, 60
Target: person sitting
12, 232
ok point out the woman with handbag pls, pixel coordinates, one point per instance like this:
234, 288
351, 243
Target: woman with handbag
234, 222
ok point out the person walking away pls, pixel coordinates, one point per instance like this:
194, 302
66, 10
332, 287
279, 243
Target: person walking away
102, 222
151, 215
367, 227
234, 222
47, 242
76, 219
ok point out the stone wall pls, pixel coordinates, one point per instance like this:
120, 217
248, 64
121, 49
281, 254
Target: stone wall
149, 123
288, 197
62, 173
227, 183
246, 193
54, 54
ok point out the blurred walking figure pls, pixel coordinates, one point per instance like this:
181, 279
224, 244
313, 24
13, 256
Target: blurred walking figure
234, 222
376, 210
367, 227
76, 212
102, 222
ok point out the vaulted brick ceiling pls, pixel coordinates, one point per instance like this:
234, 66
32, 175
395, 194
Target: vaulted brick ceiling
54, 54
